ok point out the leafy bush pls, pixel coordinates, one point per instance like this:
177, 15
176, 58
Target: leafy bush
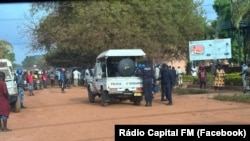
233, 79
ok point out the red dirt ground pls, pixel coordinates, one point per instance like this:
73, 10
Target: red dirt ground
53, 116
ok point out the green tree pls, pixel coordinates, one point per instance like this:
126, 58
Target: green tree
77, 31
232, 22
240, 11
30, 61
5, 51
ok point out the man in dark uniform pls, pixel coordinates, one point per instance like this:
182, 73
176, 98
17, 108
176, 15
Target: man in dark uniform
167, 81
62, 80
148, 80
20, 84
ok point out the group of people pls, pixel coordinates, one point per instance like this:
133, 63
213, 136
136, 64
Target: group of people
163, 76
64, 78
219, 74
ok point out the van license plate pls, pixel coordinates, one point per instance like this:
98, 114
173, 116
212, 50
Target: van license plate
137, 94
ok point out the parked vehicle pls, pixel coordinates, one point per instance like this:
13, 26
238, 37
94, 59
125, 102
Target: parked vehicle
114, 77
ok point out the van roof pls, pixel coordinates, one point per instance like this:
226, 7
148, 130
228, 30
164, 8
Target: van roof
6, 61
122, 52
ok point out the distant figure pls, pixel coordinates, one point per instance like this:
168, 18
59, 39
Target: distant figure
194, 73
68, 78
76, 76
179, 74
243, 76
58, 73
174, 75
157, 75
52, 79
247, 77
202, 77
44, 79
30, 83
62, 80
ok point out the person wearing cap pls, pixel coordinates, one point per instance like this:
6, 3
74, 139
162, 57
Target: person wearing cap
148, 78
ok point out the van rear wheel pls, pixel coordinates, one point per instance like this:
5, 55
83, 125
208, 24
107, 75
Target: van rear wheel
104, 96
17, 105
91, 96
137, 101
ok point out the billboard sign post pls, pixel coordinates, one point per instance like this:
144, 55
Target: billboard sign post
210, 49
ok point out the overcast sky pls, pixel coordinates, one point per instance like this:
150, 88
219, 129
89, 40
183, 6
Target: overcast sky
12, 19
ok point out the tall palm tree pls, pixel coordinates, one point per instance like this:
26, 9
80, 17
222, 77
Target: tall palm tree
239, 10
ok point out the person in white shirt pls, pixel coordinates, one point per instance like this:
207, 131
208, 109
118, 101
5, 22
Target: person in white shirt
76, 76
194, 73
179, 74
157, 74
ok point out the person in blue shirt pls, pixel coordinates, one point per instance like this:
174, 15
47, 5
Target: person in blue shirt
62, 80
167, 81
20, 85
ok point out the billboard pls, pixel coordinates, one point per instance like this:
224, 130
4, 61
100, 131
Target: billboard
210, 49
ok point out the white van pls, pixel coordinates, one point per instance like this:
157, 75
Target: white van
115, 78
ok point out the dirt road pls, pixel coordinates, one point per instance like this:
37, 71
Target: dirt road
53, 116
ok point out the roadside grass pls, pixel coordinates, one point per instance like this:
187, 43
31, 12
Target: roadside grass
242, 98
185, 91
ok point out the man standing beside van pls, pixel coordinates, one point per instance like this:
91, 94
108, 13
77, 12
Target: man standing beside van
76, 75
148, 77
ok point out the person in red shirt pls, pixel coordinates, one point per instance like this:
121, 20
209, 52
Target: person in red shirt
4, 103
30, 83
44, 79
202, 77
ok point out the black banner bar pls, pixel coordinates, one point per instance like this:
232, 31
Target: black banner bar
175, 132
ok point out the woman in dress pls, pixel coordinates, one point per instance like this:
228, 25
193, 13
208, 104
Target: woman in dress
219, 78
4, 104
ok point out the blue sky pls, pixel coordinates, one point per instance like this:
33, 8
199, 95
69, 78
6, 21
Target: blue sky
12, 20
